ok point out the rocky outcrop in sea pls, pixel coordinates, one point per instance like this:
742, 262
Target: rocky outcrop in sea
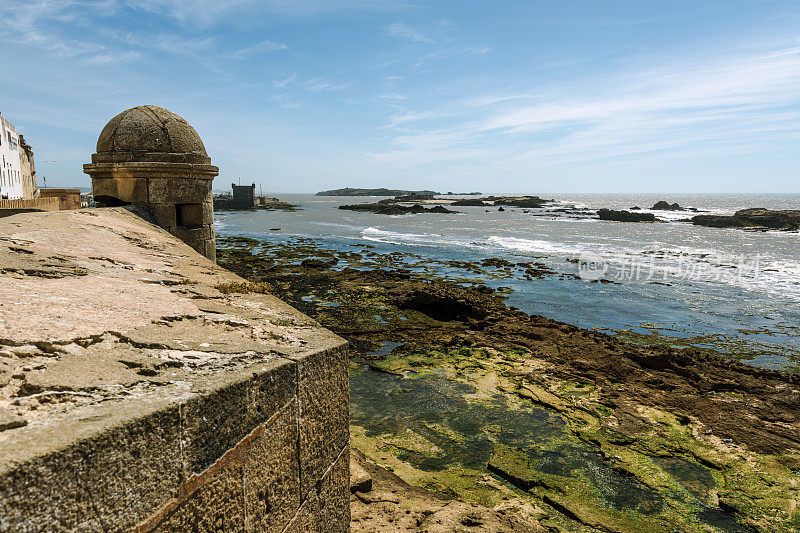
753, 218
395, 209
625, 216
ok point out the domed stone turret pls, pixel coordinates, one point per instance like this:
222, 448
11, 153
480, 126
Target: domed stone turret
146, 129
150, 157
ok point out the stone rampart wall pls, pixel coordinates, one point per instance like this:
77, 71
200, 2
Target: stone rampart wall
22, 205
184, 405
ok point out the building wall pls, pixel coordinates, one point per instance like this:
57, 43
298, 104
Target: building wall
178, 201
10, 171
243, 196
26, 205
70, 198
291, 472
27, 169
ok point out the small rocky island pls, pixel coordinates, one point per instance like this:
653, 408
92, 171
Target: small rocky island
508, 201
663, 205
396, 209
754, 218
399, 205
351, 191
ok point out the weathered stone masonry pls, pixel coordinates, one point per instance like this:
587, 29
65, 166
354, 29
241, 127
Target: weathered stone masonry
152, 158
144, 388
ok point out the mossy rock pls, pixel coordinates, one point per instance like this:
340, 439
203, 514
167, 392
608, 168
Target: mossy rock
571, 497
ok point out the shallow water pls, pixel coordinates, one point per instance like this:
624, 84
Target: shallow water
727, 289
462, 431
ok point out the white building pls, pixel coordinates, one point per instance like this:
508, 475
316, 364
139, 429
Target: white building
10, 172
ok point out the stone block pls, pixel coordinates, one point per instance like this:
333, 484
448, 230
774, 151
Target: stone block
130, 190
191, 235
199, 247
110, 482
208, 211
215, 422
164, 214
217, 504
360, 479
137, 132
334, 495
40, 493
182, 139
324, 414
269, 391
307, 519
189, 214
158, 192
181, 190
210, 247
326, 508
272, 474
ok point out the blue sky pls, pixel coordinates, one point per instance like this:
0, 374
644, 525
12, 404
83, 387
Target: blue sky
507, 96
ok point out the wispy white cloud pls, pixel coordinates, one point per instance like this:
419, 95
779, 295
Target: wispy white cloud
285, 81
285, 101
434, 42
34, 24
317, 85
404, 31
206, 13
394, 97
258, 48
727, 104
114, 57
169, 43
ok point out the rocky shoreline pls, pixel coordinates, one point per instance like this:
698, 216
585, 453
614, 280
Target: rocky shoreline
639, 408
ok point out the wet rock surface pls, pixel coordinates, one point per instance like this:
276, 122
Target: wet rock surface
625, 216
708, 442
391, 505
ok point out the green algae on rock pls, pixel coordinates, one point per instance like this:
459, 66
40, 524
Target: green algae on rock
709, 443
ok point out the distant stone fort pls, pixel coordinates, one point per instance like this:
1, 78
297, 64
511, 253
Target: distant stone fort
243, 197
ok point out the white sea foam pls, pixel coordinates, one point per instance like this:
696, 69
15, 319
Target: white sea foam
539, 246
748, 272
336, 225
407, 239
659, 261
570, 204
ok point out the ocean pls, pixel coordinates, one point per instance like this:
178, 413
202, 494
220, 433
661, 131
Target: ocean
736, 292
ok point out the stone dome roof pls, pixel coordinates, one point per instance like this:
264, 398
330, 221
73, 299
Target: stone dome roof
148, 129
